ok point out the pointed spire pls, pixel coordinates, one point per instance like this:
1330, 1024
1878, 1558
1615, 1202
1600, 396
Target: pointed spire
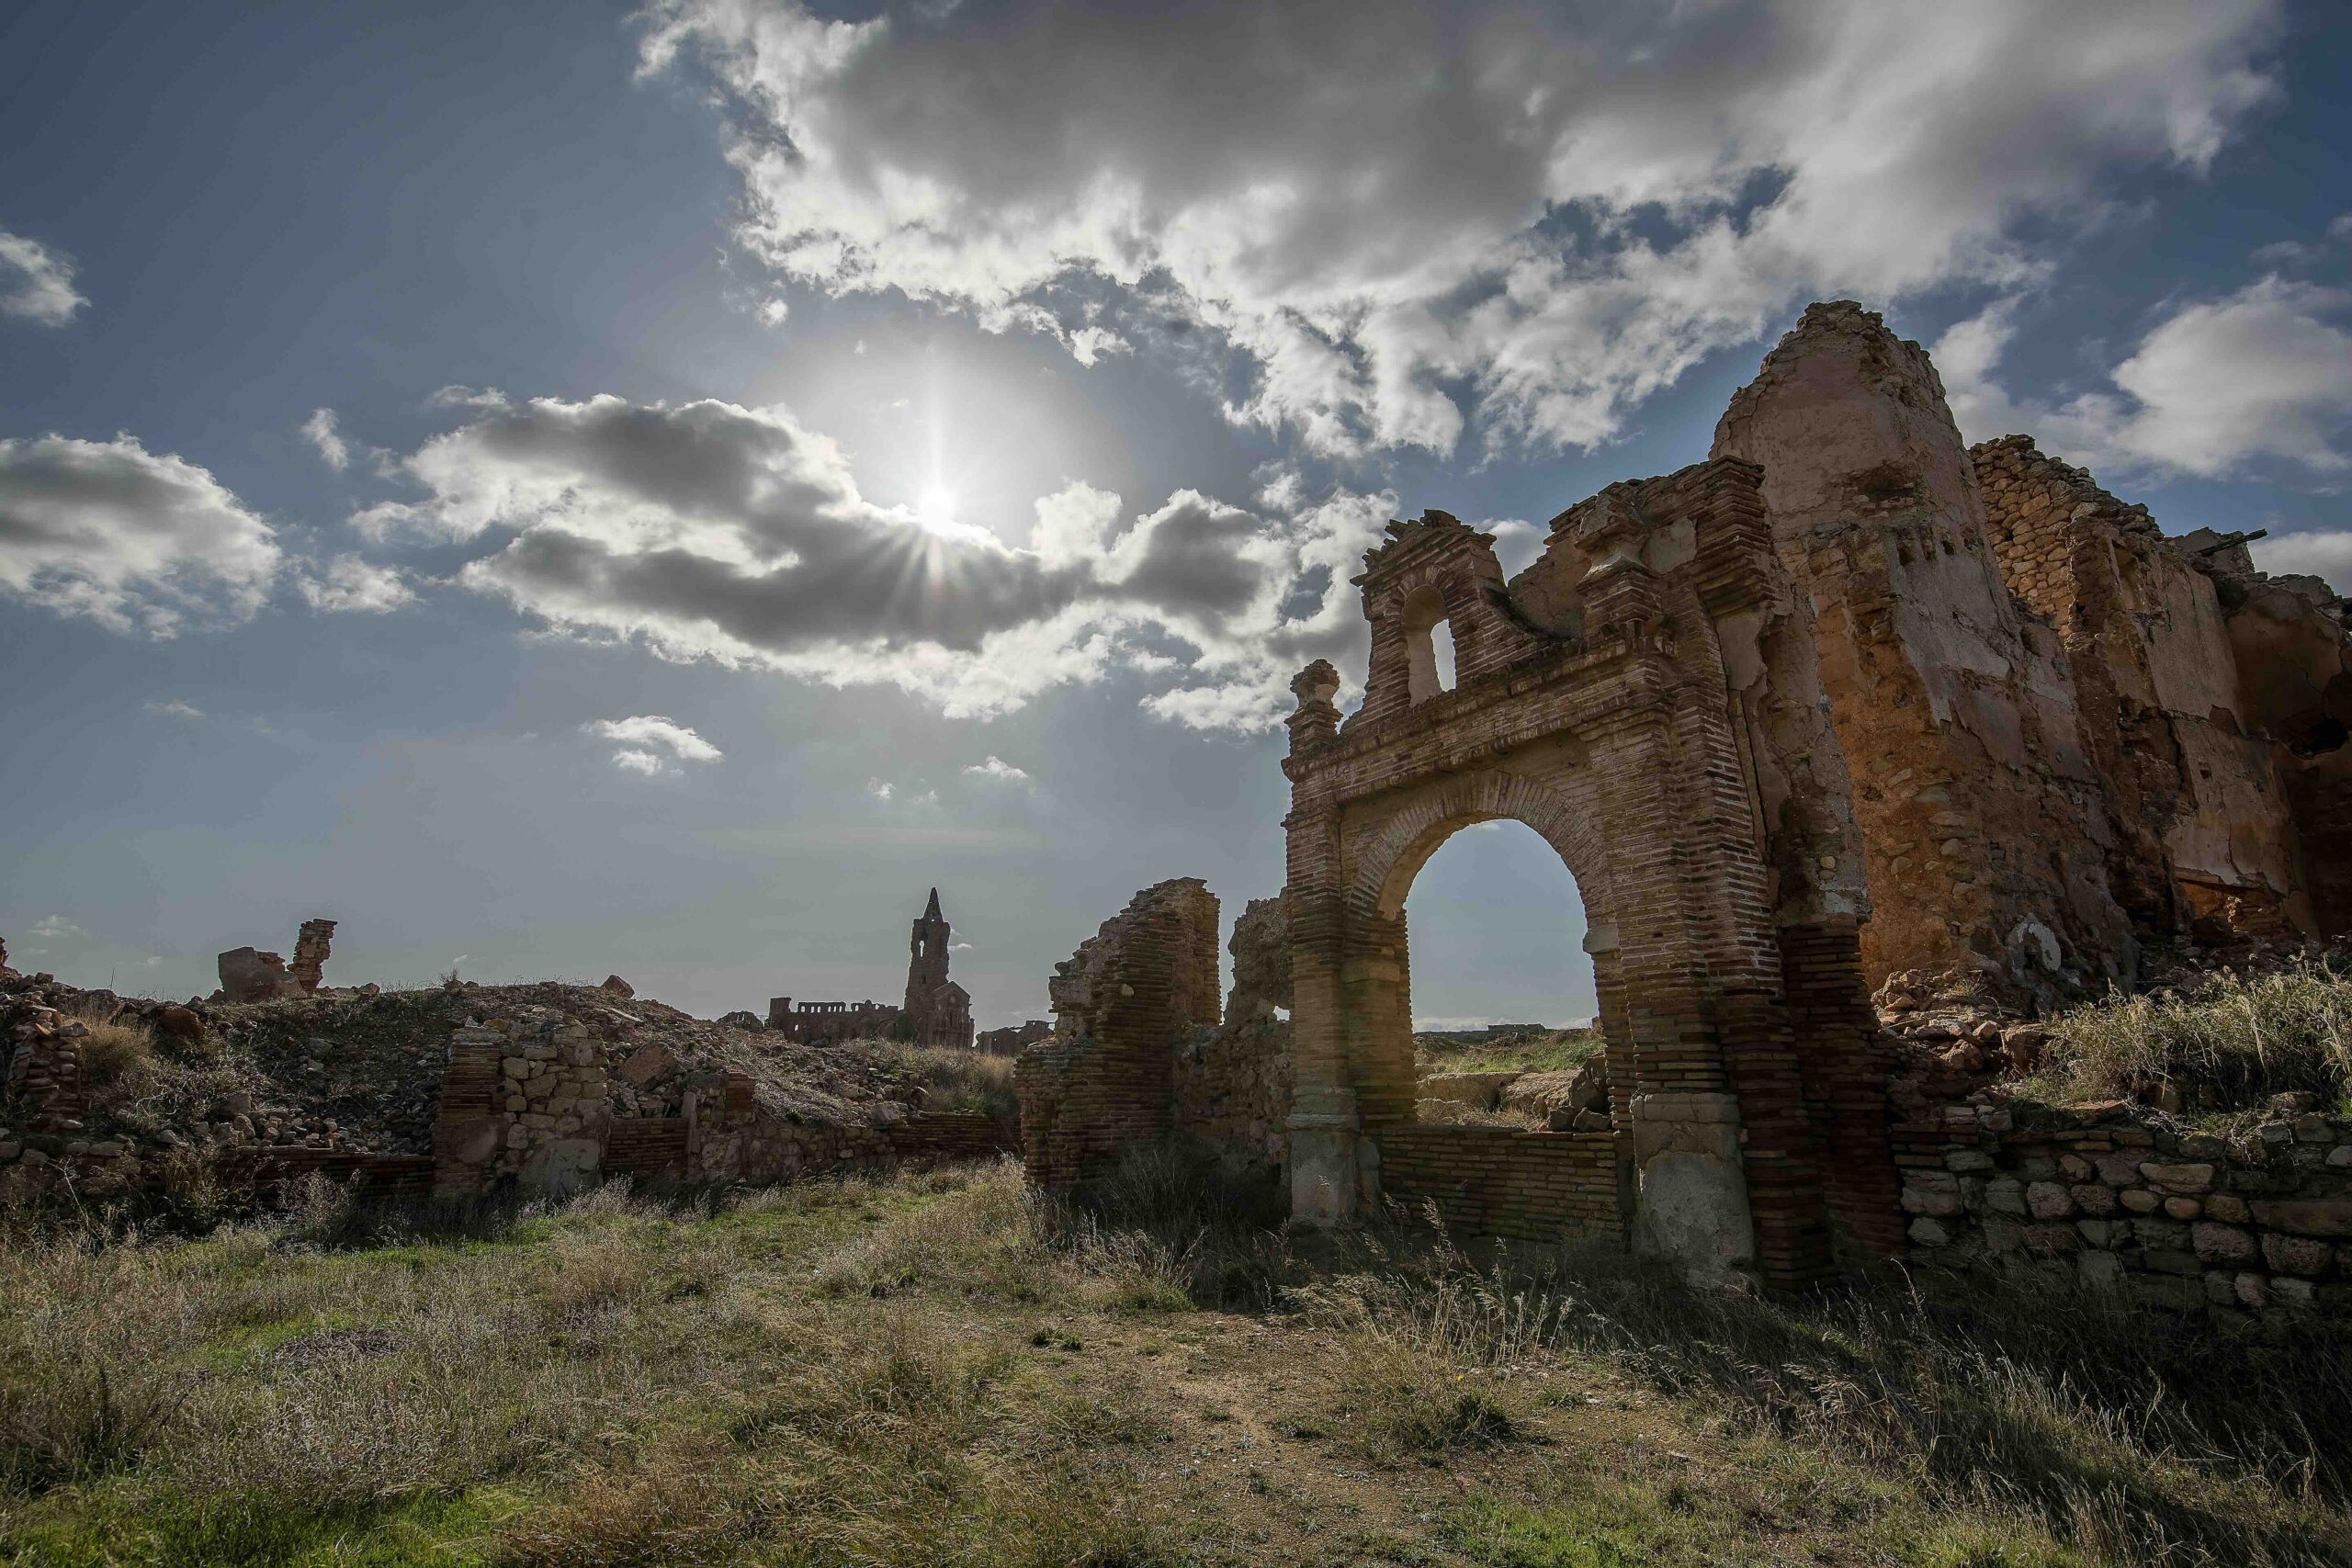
931, 912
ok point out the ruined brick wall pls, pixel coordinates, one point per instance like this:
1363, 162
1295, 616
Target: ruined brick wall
312, 945
2088, 1201
1123, 1004
1230, 1083
1539, 1187
1988, 840
2203, 827
1659, 721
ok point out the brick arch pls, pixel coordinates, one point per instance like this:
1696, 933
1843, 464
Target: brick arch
1392, 855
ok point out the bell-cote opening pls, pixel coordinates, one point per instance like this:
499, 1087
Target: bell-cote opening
1429, 642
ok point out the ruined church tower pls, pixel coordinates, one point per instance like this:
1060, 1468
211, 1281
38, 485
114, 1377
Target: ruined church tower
938, 1011
926, 961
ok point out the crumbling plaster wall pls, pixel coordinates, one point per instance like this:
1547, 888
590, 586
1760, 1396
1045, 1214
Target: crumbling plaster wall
1988, 837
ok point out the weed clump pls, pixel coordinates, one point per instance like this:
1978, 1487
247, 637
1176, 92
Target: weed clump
2230, 1040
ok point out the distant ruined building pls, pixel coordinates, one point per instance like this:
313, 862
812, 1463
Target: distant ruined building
937, 1011
1846, 699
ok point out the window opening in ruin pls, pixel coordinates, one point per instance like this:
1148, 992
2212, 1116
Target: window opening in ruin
1428, 644
1496, 929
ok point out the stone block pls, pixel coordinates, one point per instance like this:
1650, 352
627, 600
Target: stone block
2119, 1171
2294, 1254
2294, 1295
1967, 1160
2005, 1195
2183, 1209
2221, 1243
2324, 1217
1927, 1232
2228, 1208
2139, 1200
2048, 1201
2101, 1274
2178, 1178
2093, 1200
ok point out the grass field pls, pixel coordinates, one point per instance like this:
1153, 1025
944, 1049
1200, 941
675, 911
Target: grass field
938, 1368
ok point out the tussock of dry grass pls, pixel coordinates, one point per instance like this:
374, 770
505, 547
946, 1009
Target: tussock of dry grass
2241, 1038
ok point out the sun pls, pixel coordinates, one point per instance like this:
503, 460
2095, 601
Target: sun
937, 505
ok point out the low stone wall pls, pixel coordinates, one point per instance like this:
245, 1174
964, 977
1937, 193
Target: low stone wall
1499, 1181
2091, 1200
522, 1098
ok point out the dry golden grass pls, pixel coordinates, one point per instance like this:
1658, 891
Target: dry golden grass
942, 1368
2240, 1039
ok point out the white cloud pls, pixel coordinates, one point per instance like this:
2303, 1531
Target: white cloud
137, 541
2264, 374
351, 584
773, 311
1408, 217
55, 928
711, 531
959, 947
650, 763
880, 789
647, 736
997, 768
320, 430
175, 709
36, 283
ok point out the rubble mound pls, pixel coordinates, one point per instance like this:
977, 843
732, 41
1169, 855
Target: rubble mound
360, 1072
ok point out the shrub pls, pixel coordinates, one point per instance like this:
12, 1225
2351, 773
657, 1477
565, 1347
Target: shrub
2242, 1038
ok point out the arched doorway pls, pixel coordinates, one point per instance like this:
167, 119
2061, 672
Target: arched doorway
1497, 928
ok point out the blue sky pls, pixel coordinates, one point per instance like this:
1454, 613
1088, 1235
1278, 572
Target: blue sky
955, 424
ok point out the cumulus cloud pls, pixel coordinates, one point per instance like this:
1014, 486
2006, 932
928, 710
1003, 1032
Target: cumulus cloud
55, 928
2261, 375
140, 542
712, 531
880, 789
1409, 218
995, 767
320, 430
36, 283
349, 584
650, 743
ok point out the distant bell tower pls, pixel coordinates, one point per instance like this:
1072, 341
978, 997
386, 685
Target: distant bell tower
926, 965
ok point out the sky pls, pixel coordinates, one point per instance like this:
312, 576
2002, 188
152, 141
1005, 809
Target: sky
566, 488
